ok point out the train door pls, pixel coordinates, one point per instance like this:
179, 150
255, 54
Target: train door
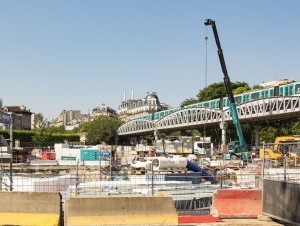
221, 103
272, 91
297, 89
255, 96
281, 91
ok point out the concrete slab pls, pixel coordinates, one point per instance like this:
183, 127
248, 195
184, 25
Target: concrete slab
30, 208
143, 210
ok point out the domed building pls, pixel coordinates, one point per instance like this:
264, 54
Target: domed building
135, 108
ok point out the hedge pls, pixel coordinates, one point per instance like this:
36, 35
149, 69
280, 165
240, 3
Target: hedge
26, 136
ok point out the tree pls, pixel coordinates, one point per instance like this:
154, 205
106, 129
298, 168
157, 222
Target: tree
55, 129
41, 134
296, 128
241, 89
102, 129
188, 102
218, 90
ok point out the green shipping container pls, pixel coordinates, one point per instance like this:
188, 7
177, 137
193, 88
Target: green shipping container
89, 155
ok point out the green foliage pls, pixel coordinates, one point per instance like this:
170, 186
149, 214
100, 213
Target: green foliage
41, 134
242, 89
188, 102
196, 132
27, 136
102, 129
55, 129
268, 134
149, 139
5, 134
296, 128
218, 90
255, 87
60, 138
83, 127
23, 135
162, 136
274, 129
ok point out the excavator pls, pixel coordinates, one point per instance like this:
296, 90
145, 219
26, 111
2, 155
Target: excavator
289, 145
235, 149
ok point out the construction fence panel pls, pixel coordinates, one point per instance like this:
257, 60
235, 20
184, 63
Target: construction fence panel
192, 193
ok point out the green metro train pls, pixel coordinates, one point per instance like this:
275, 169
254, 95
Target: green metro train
291, 89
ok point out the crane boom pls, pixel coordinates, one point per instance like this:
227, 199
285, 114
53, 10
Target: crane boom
235, 118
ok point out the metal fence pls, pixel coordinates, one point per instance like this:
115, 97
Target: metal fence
190, 191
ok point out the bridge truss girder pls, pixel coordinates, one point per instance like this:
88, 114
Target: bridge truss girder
254, 111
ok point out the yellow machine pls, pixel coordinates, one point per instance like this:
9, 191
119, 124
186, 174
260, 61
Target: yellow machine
270, 154
282, 145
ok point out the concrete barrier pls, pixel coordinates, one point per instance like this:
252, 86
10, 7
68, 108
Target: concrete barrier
120, 211
233, 203
30, 208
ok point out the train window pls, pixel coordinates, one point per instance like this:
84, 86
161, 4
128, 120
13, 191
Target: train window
225, 102
260, 94
264, 94
286, 91
255, 96
290, 90
246, 98
267, 92
297, 89
206, 104
276, 91
217, 104
238, 99
281, 91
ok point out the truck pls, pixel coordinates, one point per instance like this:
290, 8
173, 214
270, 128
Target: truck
235, 149
201, 146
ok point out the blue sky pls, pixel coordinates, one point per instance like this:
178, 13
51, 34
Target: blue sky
76, 55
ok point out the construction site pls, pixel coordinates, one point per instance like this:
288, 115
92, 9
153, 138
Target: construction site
195, 188
178, 181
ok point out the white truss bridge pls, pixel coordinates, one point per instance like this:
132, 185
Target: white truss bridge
189, 118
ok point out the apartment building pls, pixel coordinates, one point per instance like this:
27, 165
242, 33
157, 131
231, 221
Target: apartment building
135, 108
21, 116
103, 110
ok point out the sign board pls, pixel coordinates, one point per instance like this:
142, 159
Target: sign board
70, 158
4, 118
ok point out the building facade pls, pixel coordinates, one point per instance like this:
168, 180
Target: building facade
135, 108
21, 117
103, 110
70, 119
276, 83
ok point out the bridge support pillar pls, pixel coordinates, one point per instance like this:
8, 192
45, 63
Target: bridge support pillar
257, 128
223, 126
155, 136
